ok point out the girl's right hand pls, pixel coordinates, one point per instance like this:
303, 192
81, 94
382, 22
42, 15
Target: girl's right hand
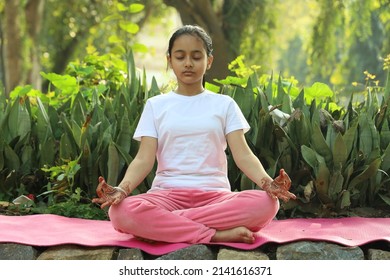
279, 187
108, 195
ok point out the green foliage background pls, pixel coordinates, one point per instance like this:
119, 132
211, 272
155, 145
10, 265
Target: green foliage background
55, 145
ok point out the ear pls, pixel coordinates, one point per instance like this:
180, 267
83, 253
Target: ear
209, 61
169, 61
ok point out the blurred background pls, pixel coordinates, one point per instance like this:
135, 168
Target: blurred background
71, 95
338, 42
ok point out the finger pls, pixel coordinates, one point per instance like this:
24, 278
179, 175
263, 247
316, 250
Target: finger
287, 196
102, 182
98, 200
105, 204
293, 196
284, 198
103, 185
116, 200
99, 189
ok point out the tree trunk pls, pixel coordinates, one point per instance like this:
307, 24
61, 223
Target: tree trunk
201, 13
34, 14
2, 66
12, 45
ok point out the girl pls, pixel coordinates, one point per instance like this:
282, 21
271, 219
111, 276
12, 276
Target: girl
188, 131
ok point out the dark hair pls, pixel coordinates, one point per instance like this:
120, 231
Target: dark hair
195, 31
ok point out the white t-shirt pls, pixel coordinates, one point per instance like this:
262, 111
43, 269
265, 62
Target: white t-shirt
191, 131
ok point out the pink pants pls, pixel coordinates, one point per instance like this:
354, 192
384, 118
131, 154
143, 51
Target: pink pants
191, 216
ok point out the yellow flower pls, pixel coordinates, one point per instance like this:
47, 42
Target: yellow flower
386, 64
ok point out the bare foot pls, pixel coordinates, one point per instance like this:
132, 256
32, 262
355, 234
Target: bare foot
238, 234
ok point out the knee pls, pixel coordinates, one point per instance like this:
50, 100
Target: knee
115, 213
270, 205
117, 222
117, 217
123, 216
261, 202
262, 208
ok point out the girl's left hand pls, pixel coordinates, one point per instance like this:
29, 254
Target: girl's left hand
108, 195
279, 187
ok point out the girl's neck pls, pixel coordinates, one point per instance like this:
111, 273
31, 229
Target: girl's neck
188, 91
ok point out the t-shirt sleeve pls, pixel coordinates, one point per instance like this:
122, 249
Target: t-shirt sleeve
235, 119
146, 125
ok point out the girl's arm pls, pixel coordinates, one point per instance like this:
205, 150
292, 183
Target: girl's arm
141, 165
138, 169
245, 159
251, 166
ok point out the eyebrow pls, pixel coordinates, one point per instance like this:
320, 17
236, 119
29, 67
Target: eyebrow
183, 51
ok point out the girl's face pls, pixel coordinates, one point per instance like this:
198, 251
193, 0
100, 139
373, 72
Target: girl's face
189, 60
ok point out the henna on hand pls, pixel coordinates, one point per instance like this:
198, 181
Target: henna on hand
279, 187
108, 195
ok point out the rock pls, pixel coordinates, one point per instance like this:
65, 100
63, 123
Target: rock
375, 254
74, 252
302, 250
234, 254
318, 251
194, 252
130, 254
13, 251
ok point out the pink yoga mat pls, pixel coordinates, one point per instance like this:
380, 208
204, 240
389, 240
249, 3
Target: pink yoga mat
51, 230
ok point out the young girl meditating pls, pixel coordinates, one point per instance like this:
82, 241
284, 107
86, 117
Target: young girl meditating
187, 130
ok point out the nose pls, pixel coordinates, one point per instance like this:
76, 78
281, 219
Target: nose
188, 62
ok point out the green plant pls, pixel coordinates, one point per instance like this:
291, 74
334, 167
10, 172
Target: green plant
61, 180
338, 157
55, 145
74, 205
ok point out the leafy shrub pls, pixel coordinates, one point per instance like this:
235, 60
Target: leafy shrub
55, 145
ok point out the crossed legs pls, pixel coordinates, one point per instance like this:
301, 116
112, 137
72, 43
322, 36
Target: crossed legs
195, 216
